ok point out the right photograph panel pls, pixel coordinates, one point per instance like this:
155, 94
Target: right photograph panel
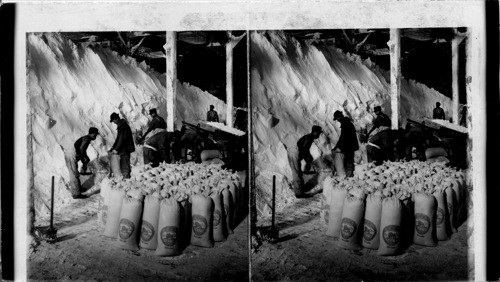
361, 155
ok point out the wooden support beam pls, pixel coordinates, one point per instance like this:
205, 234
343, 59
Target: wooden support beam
232, 42
171, 77
454, 79
395, 53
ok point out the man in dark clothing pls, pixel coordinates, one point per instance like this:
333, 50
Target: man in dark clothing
438, 112
212, 115
382, 120
348, 142
304, 144
156, 141
124, 144
155, 123
79, 154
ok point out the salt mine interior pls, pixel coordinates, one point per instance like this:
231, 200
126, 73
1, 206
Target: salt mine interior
318, 221
182, 197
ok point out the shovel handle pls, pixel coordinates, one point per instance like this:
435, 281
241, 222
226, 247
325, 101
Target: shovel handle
274, 200
52, 204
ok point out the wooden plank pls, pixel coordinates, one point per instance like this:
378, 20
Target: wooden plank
395, 50
171, 77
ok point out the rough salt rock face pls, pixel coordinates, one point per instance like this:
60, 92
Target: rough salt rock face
71, 88
296, 86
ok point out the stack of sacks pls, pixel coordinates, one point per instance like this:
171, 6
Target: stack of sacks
398, 203
175, 205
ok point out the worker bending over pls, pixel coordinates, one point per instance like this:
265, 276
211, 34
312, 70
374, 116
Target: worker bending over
76, 154
348, 142
381, 122
124, 144
304, 145
156, 141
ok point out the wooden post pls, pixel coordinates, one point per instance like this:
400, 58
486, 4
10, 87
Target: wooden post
171, 77
395, 52
229, 83
454, 79
232, 42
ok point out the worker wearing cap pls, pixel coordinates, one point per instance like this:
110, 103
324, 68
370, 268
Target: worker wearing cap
79, 154
212, 115
438, 112
156, 141
124, 144
156, 123
381, 122
347, 143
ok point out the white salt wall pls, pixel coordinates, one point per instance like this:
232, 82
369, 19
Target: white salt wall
71, 88
302, 85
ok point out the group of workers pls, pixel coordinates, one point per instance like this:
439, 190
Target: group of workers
379, 146
158, 146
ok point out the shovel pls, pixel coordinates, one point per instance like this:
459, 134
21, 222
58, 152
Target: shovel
271, 234
52, 232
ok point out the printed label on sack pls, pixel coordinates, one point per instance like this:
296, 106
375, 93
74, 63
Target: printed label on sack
217, 218
439, 216
127, 227
147, 231
422, 224
391, 235
348, 228
199, 225
168, 236
369, 231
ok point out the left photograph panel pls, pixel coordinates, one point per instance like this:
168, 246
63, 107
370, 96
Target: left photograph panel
137, 155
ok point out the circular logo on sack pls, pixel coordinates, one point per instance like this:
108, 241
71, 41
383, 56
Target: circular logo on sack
348, 228
440, 216
199, 224
369, 231
147, 231
127, 227
168, 236
391, 234
217, 217
422, 223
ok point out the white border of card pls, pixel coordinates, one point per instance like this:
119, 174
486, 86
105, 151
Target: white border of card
67, 16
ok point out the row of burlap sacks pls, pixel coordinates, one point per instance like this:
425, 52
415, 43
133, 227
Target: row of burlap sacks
390, 225
167, 225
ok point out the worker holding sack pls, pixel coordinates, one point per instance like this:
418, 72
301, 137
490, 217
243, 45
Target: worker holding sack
347, 143
76, 154
124, 144
382, 121
156, 141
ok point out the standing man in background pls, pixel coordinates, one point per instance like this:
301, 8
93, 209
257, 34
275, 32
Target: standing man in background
124, 144
438, 112
212, 115
348, 142
74, 156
